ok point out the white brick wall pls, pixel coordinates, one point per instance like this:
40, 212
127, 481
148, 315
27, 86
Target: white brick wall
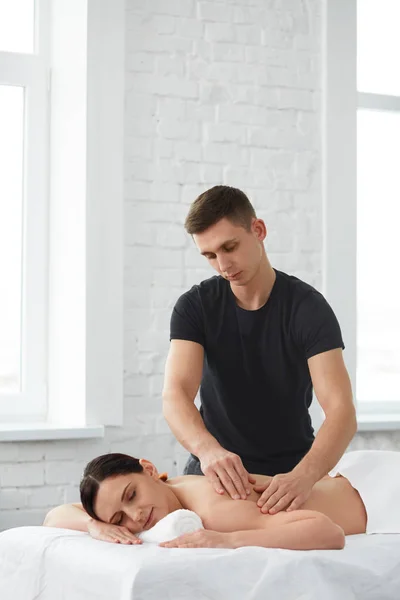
226, 91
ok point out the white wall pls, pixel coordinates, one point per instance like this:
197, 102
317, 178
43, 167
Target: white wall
216, 92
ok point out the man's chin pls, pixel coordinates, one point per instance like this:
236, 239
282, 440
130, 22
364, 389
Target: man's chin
239, 283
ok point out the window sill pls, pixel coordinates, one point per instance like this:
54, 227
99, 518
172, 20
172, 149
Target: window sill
377, 422
24, 432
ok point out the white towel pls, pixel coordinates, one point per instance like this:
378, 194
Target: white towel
176, 523
375, 474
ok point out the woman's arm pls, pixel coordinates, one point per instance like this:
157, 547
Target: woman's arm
295, 530
73, 516
301, 533
306, 530
68, 516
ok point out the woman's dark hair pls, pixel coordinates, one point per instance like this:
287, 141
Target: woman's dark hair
99, 469
221, 201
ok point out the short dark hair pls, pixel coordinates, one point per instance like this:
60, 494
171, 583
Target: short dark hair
221, 201
99, 469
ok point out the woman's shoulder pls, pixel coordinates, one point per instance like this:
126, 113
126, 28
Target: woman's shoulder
196, 493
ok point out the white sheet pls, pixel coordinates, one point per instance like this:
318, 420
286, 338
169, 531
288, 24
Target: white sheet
41, 563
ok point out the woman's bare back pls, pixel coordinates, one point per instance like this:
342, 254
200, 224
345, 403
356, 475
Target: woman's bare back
333, 496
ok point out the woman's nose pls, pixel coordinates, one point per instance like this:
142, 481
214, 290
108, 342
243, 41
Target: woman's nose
133, 522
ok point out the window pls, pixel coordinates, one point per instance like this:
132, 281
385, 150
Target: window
24, 79
361, 151
378, 205
61, 246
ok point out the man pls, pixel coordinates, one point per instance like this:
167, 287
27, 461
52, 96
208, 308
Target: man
256, 341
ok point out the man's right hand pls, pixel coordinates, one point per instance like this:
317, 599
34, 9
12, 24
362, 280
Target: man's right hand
111, 533
226, 472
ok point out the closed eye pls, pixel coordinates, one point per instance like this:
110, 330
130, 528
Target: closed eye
211, 256
129, 499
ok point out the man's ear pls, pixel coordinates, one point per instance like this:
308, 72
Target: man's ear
149, 468
259, 229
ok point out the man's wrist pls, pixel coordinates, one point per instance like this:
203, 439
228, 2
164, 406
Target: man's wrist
204, 446
307, 471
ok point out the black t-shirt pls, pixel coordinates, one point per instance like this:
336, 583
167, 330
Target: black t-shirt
256, 387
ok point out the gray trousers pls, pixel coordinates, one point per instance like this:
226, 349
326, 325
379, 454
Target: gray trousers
192, 466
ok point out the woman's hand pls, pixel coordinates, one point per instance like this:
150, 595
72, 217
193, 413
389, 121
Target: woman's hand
111, 533
202, 538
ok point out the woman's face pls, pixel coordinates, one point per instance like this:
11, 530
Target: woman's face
136, 500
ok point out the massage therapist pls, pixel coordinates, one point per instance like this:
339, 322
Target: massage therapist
256, 341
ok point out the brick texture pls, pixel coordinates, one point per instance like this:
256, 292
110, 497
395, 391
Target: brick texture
222, 91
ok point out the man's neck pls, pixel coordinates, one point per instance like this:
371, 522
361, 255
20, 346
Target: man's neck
255, 294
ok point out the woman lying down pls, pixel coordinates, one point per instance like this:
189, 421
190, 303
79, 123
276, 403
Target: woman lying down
123, 497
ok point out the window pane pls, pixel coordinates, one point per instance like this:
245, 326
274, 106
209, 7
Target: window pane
378, 253
378, 46
11, 205
17, 25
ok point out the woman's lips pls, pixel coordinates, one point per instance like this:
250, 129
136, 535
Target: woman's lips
149, 519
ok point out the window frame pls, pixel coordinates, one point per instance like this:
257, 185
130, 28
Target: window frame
84, 337
341, 101
32, 72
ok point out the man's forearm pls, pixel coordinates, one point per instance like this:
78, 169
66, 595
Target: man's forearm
68, 516
306, 534
329, 445
186, 423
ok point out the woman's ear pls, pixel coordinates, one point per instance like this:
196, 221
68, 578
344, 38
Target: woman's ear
149, 468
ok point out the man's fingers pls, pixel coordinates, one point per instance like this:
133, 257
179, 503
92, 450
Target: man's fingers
281, 504
233, 477
245, 478
296, 504
271, 489
270, 502
238, 483
226, 481
215, 482
274, 499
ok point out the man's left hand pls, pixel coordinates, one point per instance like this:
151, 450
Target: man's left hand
286, 491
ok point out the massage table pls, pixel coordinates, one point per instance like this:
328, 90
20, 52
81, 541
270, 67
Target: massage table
43, 563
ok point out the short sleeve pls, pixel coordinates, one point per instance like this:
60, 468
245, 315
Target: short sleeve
316, 326
187, 320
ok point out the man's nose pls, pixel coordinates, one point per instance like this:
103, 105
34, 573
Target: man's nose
224, 264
